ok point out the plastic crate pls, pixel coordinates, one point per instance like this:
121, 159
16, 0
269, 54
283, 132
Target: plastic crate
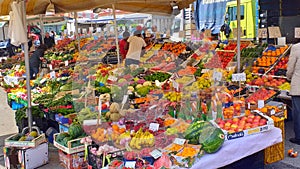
69, 149
95, 162
72, 161
276, 152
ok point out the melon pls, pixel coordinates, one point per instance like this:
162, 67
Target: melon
211, 139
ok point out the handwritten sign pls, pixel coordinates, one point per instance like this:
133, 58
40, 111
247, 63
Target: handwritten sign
179, 141
50, 67
274, 32
234, 31
66, 63
217, 76
153, 126
52, 74
155, 154
260, 104
237, 77
262, 33
130, 164
297, 32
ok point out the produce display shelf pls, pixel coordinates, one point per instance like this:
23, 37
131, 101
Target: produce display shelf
25, 144
69, 149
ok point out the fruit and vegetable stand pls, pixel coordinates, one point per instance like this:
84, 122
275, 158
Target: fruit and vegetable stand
179, 106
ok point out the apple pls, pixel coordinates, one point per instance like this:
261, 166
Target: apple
231, 131
249, 120
251, 116
239, 129
218, 120
248, 124
234, 126
221, 125
235, 120
226, 128
254, 125
256, 120
229, 121
257, 117
263, 121
242, 122
247, 127
227, 124
243, 118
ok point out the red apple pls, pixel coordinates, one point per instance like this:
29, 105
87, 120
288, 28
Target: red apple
227, 124
263, 121
251, 116
256, 120
221, 125
248, 124
254, 125
243, 118
257, 117
234, 126
231, 131
247, 127
235, 120
249, 120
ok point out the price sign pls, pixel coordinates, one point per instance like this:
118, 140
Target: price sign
91, 29
237, 77
84, 31
262, 33
52, 74
130, 164
274, 32
112, 78
79, 30
207, 33
297, 32
50, 67
204, 70
153, 126
124, 99
272, 112
155, 154
217, 76
98, 29
249, 106
179, 141
66, 63
260, 104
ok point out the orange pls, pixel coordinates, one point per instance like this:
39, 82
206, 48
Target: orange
115, 127
122, 130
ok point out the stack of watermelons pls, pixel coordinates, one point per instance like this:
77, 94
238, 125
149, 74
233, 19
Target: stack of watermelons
75, 131
204, 133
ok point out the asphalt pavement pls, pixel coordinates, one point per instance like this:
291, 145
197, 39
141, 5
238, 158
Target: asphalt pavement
8, 127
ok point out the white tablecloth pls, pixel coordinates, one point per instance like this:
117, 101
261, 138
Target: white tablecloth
234, 150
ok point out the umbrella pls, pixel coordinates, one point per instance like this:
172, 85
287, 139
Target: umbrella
18, 35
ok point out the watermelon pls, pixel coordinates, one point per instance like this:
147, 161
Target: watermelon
75, 130
211, 139
194, 130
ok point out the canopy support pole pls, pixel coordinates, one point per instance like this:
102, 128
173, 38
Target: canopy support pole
28, 87
116, 32
238, 36
42, 27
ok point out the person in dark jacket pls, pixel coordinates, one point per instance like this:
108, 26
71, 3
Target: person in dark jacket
35, 61
49, 41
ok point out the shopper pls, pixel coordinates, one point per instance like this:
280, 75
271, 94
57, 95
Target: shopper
48, 41
123, 45
35, 60
293, 74
136, 44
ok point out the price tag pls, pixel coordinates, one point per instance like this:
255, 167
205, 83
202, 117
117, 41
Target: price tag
112, 78
152, 107
124, 99
272, 112
155, 154
238, 77
204, 70
274, 32
249, 106
130, 164
98, 29
261, 104
175, 84
91, 29
217, 76
179, 141
52, 74
297, 32
153, 126
262, 33
50, 67
43, 81
66, 63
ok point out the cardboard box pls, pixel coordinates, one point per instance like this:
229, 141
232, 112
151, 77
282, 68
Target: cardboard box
259, 129
25, 144
72, 161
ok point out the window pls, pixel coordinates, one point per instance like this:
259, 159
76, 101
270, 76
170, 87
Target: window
232, 13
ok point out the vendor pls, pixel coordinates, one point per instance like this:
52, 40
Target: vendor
49, 41
35, 61
123, 45
136, 45
293, 74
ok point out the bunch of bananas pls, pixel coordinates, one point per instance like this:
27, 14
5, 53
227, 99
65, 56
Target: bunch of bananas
142, 138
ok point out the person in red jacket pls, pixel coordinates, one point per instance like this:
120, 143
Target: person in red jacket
123, 45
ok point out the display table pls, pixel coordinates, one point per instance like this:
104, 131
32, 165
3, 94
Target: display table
240, 148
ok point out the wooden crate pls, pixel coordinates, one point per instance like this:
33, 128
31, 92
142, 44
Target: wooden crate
276, 152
